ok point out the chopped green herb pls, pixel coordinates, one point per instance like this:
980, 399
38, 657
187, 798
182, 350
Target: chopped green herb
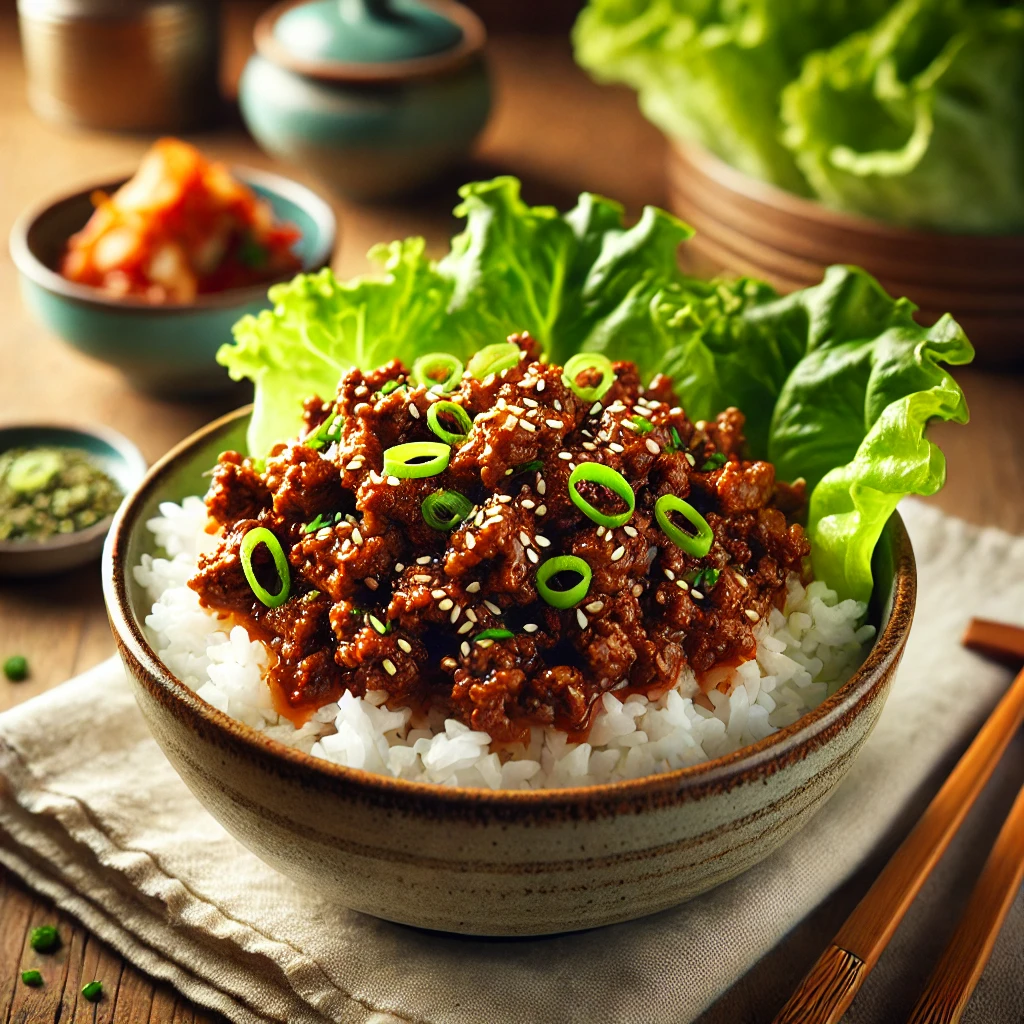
716, 461
381, 627
16, 668
710, 578
251, 254
643, 425
93, 991
494, 634
393, 385
703, 580
322, 520
677, 442
44, 939
32, 978
329, 430
530, 467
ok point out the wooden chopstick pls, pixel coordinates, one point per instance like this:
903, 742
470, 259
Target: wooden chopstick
827, 991
946, 994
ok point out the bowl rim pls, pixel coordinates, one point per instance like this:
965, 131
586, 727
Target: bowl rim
752, 762
29, 265
126, 451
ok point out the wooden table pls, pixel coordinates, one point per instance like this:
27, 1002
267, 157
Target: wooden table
554, 129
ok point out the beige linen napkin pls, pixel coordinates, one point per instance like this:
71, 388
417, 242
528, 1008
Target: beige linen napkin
94, 817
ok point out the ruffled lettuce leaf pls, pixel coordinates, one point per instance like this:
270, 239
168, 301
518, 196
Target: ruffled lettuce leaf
919, 121
837, 382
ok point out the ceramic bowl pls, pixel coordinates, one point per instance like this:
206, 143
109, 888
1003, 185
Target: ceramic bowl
163, 349
368, 131
749, 227
115, 454
476, 861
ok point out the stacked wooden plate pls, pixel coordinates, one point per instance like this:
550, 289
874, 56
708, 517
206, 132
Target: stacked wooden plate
748, 227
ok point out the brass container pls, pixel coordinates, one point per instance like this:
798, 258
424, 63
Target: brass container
123, 65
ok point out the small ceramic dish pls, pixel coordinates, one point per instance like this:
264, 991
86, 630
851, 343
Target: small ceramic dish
479, 861
164, 349
751, 228
114, 454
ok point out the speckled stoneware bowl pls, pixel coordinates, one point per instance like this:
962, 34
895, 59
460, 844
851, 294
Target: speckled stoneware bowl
165, 349
476, 861
112, 452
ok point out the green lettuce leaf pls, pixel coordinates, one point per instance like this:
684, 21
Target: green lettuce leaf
837, 382
919, 121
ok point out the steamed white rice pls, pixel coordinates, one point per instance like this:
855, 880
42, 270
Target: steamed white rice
804, 653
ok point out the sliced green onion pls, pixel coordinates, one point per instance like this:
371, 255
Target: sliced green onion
530, 467
437, 370
715, 461
379, 626
457, 413
642, 424
33, 471
444, 510
252, 540
503, 355
93, 991
580, 363
392, 385
400, 460
677, 441
493, 634
697, 544
322, 520
596, 473
329, 430
573, 595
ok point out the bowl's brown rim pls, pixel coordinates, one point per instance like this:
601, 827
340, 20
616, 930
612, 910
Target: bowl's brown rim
127, 452
51, 281
474, 38
751, 763
732, 179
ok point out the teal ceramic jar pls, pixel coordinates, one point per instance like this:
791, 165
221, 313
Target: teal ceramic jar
375, 97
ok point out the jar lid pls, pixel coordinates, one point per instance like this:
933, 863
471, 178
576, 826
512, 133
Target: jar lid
365, 31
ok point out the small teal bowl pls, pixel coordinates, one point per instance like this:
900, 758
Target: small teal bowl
165, 349
112, 452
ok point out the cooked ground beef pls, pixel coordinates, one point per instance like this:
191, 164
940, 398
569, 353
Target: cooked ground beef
651, 610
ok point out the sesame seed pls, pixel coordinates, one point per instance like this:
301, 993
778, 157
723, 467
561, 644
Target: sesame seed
558, 405
465, 649
404, 645
361, 391
464, 628
325, 533
616, 447
637, 590
690, 459
527, 382
423, 560
595, 606
448, 663
669, 574
540, 385
501, 403
492, 521
741, 580
473, 588
357, 537
581, 618
565, 456
485, 643
542, 487
531, 403
393, 481
618, 553
676, 410
413, 411
542, 541
697, 595
555, 424
600, 531
471, 615
527, 503
532, 555
751, 614
653, 447
377, 478
361, 408
701, 424
595, 408
470, 541
454, 617
515, 408
488, 449
629, 425
488, 380
629, 531
446, 604
590, 446
370, 582
421, 577
504, 499
542, 510
354, 464
399, 566
527, 425
492, 607
438, 593
512, 422
586, 433
479, 518
531, 627
524, 538
641, 411
389, 666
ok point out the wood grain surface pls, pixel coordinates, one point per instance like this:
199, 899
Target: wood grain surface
553, 128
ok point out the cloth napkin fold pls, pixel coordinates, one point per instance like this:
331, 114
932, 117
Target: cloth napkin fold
93, 816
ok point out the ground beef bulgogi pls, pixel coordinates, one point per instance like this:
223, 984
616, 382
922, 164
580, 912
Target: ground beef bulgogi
380, 600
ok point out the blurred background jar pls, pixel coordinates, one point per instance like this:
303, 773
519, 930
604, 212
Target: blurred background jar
123, 65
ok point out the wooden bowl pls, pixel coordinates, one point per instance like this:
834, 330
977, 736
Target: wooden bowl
488, 862
745, 226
